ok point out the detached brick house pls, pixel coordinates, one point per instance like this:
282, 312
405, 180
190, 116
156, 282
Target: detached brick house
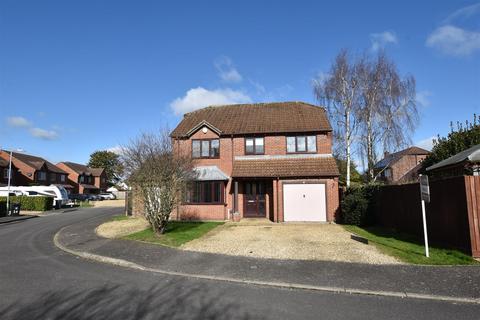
84, 180
265, 160
402, 166
32, 170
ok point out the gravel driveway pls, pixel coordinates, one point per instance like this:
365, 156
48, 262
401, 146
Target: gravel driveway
288, 241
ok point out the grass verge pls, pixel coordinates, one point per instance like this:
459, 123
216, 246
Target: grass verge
120, 218
177, 233
85, 204
408, 249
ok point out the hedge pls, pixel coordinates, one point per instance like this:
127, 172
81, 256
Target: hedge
358, 205
28, 203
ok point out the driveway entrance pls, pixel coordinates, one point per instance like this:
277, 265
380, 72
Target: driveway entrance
298, 241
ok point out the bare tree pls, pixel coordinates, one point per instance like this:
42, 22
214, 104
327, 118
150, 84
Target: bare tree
158, 174
340, 92
388, 113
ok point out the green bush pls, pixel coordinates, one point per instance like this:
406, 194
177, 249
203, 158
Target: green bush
28, 203
3, 208
358, 205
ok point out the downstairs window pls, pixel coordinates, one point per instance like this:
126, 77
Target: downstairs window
204, 192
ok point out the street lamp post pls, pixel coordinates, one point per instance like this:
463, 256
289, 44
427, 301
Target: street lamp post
9, 181
10, 177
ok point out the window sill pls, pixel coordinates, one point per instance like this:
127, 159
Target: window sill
200, 158
203, 203
306, 152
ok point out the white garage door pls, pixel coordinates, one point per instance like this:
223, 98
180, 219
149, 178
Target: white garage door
304, 202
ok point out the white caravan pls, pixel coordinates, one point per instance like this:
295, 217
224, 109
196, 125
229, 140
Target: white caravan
59, 194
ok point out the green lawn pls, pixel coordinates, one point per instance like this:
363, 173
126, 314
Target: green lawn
408, 249
120, 218
85, 204
177, 233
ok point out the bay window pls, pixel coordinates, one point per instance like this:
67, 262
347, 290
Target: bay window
204, 192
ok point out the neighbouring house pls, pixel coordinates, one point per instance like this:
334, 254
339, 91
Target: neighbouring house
402, 166
263, 160
4, 164
84, 180
463, 163
33, 170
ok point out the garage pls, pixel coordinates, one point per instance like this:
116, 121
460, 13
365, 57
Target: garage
304, 202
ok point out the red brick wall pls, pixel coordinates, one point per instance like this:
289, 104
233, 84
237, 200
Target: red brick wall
235, 146
404, 165
72, 178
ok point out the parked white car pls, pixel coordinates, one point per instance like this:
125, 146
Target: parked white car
107, 196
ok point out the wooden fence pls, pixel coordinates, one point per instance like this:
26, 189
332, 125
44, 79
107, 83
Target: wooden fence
453, 213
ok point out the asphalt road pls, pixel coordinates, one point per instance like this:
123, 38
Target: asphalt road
38, 281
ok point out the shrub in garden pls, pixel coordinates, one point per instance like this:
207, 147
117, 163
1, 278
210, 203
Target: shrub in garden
29, 203
358, 205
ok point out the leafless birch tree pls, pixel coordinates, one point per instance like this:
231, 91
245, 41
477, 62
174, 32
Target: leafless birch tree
340, 92
388, 113
158, 174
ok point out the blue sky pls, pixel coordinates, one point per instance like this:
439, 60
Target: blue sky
80, 76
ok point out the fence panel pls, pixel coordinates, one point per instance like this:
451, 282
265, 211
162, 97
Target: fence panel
399, 207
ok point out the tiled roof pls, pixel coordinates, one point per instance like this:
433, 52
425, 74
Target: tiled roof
277, 117
394, 157
286, 167
209, 173
36, 162
3, 162
83, 169
471, 155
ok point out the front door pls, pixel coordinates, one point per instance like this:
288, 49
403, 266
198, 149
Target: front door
254, 199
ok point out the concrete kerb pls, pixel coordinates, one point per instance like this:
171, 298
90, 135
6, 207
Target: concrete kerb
282, 285
12, 219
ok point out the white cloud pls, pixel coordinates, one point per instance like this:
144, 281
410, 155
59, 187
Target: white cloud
426, 144
454, 41
464, 13
44, 134
20, 122
380, 40
423, 98
199, 97
226, 70
116, 150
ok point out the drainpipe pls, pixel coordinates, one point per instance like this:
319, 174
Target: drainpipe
235, 200
278, 208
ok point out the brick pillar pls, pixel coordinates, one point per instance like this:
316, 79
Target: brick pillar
275, 201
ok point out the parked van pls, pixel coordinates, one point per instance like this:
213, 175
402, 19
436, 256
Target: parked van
59, 193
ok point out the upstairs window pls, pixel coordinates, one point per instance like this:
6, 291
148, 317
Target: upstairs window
206, 148
62, 178
6, 173
81, 179
41, 175
302, 144
254, 145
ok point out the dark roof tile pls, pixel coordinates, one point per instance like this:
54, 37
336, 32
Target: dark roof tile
294, 167
277, 117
